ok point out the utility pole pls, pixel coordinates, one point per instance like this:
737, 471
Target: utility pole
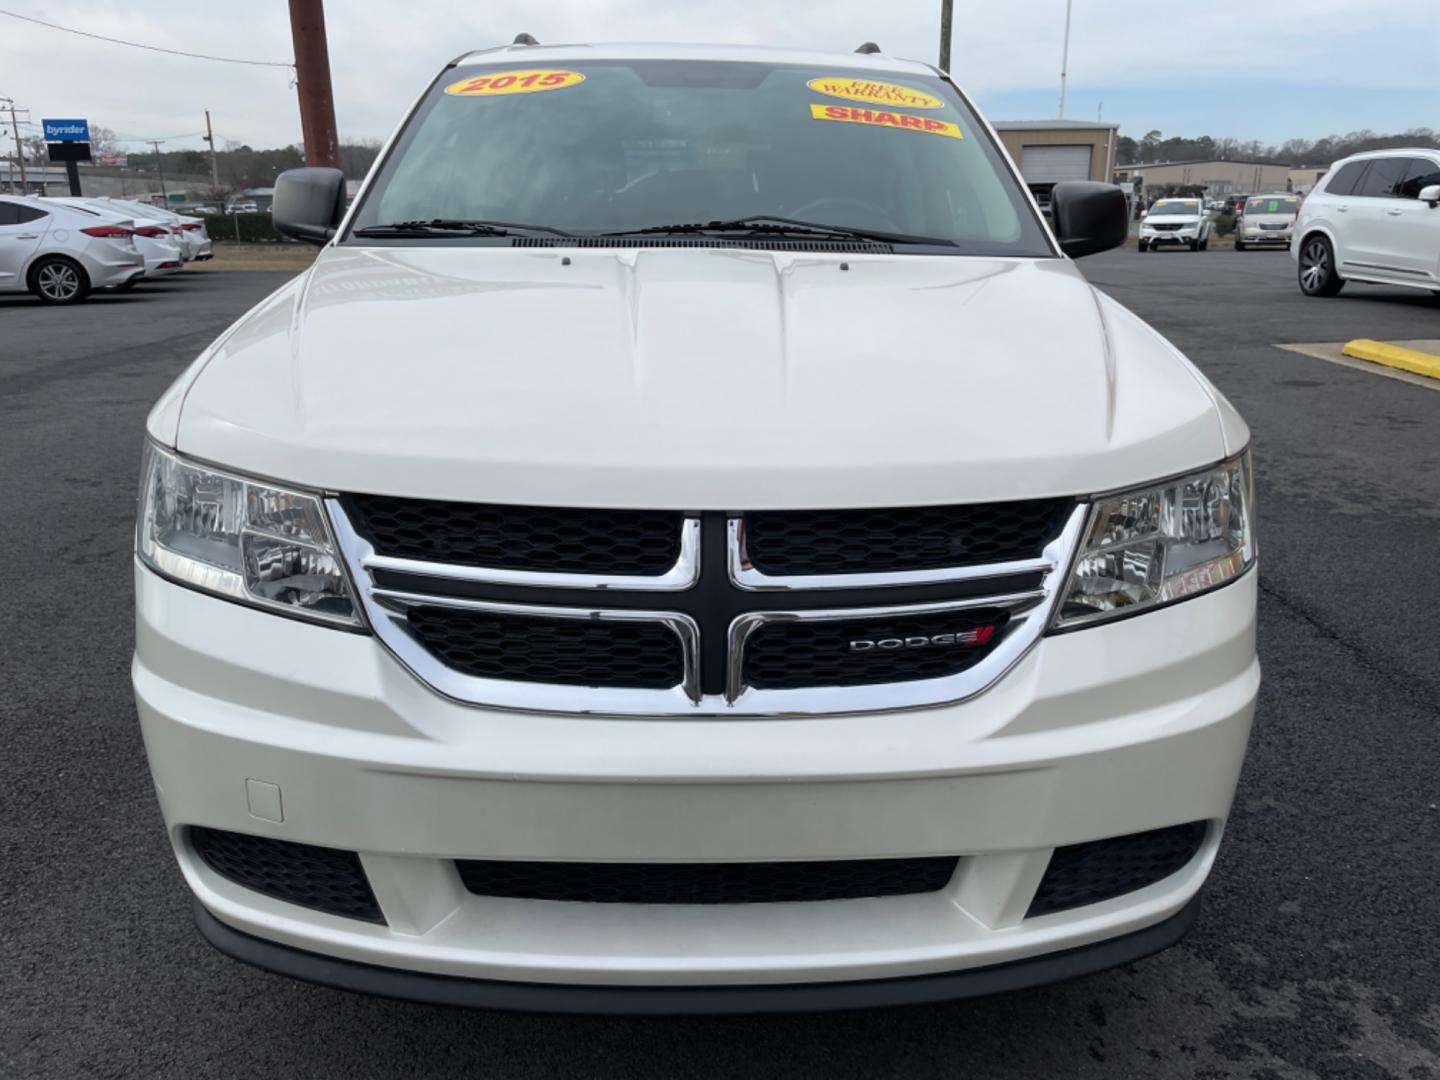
312, 76
160, 168
210, 138
19, 149
947, 8
1065, 59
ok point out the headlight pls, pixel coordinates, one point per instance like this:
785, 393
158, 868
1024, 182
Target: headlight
1156, 545
240, 538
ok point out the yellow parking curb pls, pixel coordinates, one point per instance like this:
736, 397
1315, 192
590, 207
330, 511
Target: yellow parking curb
1421, 363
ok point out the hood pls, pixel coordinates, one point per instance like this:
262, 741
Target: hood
1172, 219
693, 378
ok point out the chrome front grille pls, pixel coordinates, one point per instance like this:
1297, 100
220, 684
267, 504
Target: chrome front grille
711, 633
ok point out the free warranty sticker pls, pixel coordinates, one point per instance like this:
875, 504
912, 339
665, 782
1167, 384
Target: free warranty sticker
875, 93
514, 82
853, 114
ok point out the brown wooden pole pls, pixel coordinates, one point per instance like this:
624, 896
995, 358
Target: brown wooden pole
312, 75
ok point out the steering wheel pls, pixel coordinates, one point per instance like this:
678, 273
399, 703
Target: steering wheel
871, 213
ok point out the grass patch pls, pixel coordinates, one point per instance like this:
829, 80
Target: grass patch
233, 256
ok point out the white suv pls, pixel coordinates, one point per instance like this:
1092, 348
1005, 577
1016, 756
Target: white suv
1375, 218
694, 541
60, 253
1178, 221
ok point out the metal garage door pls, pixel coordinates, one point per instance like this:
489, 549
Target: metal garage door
1049, 164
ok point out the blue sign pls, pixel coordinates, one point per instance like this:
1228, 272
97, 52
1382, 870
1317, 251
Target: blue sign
67, 130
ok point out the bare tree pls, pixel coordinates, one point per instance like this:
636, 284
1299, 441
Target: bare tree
102, 139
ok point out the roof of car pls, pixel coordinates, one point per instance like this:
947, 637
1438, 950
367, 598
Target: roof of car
1391, 151
552, 54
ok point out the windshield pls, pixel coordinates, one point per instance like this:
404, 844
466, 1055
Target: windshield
1177, 207
623, 146
1269, 205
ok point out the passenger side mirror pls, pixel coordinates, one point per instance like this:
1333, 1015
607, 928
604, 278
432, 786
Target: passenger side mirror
1431, 195
309, 203
1089, 217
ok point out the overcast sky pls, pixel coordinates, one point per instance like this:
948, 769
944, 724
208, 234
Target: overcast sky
1270, 71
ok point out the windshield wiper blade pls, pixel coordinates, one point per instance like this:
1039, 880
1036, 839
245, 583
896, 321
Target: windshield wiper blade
441, 226
768, 225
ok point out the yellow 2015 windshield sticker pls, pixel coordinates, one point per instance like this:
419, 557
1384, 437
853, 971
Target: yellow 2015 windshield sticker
531, 81
852, 114
875, 93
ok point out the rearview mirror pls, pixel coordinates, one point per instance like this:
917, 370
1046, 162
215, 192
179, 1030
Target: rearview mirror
308, 203
1089, 217
1431, 195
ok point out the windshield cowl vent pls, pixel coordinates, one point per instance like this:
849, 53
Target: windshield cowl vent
752, 243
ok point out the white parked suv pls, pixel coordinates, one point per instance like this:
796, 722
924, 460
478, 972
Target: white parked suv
1375, 217
1183, 222
60, 253
694, 541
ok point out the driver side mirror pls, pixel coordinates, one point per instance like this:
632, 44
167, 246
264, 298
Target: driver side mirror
309, 203
1431, 195
1089, 217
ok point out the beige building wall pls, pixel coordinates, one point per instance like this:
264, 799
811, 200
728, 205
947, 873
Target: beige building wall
1303, 180
1217, 177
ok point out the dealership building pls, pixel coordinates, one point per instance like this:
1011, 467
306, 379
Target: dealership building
1216, 177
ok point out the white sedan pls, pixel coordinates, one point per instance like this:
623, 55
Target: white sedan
160, 249
189, 231
60, 253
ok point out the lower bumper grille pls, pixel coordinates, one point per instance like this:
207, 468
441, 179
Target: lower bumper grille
567, 652
706, 883
1099, 870
320, 878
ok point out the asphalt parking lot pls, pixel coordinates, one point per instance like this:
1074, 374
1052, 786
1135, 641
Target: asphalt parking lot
1316, 953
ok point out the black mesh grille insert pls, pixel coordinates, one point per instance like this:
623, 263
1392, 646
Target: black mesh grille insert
706, 883
321, 878
861, 651
1101, 869
570, 652
520, 537
781, 542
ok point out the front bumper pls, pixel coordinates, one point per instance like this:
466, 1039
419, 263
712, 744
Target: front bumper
1112, 730
1267, 239
1154, 238
692, 1000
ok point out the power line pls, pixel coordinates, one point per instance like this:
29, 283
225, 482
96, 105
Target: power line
163, 138
151, 48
